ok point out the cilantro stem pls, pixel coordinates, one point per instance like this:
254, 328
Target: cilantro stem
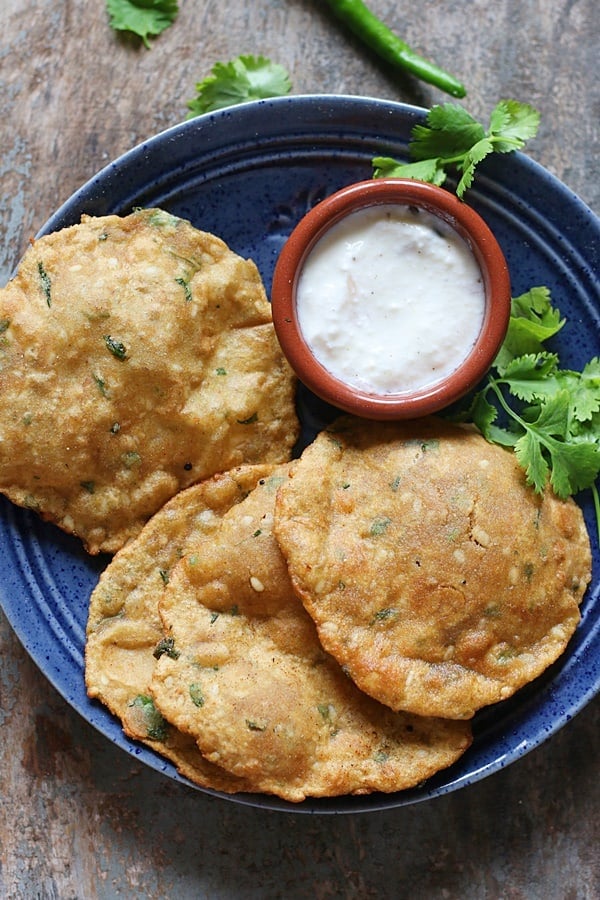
376, 35
545, 439
459, 158
492, 383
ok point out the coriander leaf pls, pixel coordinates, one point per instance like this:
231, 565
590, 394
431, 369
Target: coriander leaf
481, 412
484, 415
546, 451
512, 124
503, 436
535, 305
45, 283
499, 118
532, 321
117, 348
450, 131
452, 138
587, 430
166, 646
478, 152
156, 725
529, 376
529, 453
553, 418
145, 18
574, 467
550, 416
539, 442
244, 78
425, 170
586, 393
538, 378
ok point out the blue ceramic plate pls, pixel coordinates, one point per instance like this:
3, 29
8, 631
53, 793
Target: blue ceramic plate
248, 174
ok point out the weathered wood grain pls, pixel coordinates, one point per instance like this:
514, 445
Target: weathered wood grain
79, 818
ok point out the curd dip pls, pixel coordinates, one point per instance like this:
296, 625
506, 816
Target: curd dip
390, 299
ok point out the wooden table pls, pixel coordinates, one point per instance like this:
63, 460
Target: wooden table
80, 819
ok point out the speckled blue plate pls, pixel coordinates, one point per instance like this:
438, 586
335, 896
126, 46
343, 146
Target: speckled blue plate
248, 174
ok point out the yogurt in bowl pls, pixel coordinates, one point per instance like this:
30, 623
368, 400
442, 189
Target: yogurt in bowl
391, 298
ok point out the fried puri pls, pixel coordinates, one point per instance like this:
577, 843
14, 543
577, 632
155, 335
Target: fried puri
137, 356
124, 633
249, 681
436, 577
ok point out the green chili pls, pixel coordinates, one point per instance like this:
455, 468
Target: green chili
376, 35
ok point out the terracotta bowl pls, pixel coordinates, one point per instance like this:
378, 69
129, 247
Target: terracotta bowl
495, 278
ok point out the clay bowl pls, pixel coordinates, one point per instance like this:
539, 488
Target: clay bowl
436, 394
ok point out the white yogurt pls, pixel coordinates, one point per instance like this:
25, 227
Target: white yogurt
390, 299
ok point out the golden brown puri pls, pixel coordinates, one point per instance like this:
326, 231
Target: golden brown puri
436, 577
137, 356
124, 633
248, 679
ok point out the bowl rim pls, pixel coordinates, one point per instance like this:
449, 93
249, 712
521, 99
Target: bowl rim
468, 224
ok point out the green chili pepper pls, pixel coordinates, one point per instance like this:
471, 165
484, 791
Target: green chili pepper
372, 31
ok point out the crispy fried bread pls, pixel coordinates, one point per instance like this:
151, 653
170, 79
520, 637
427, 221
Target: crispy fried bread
124, 633
248, 679
137, 356
436, 577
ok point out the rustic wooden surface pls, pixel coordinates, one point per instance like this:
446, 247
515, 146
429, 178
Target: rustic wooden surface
80, 819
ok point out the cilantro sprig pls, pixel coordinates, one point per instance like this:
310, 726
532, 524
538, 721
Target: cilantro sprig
452, 139
549, 415
244, 78
145, 18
